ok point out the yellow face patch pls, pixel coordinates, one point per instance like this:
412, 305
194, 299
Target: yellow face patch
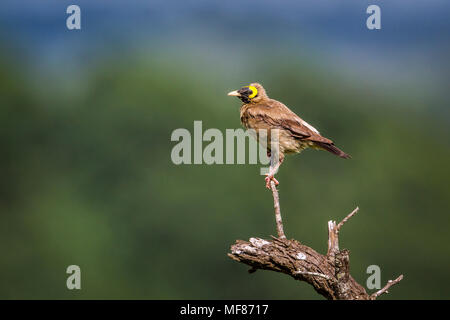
254, 92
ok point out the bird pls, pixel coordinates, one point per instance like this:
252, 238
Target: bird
259, 112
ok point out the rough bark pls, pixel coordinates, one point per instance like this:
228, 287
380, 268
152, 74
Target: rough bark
328, 274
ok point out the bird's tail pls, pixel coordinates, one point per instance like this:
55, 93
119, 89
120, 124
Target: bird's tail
334, 150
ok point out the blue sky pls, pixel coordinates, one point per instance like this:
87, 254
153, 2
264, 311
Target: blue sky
414, 40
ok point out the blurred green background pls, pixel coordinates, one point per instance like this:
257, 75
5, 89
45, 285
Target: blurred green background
87, 178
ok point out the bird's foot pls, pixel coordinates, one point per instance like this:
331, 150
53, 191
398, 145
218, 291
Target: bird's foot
269, 178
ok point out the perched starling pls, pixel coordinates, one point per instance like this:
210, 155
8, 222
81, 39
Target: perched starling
260, 112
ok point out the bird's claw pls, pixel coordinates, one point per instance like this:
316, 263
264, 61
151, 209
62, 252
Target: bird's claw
270, 178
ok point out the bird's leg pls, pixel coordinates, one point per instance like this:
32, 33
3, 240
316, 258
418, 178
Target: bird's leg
271, 177
270, 174
273, 169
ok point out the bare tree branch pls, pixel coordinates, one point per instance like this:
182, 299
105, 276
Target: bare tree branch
351, 214
333, 233
276, 205
386, 287
328, 274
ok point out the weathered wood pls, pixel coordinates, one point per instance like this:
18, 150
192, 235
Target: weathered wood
328, 274
276, 206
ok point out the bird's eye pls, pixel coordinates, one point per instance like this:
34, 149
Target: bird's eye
248, 92
254, 92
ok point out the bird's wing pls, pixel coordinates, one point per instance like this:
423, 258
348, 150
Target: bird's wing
278, 115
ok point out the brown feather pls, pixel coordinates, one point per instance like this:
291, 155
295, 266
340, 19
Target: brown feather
295, 134
333, 149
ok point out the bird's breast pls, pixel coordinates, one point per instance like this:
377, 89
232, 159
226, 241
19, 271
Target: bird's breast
252, 120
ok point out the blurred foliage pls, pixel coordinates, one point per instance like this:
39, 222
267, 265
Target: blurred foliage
87, 179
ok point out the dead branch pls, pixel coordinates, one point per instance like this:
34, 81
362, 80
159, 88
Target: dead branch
328, 274
386, 287
333, 233
276, 205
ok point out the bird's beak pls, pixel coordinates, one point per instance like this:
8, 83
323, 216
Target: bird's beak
234, 93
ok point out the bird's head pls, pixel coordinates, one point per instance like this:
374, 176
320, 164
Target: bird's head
252, 93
